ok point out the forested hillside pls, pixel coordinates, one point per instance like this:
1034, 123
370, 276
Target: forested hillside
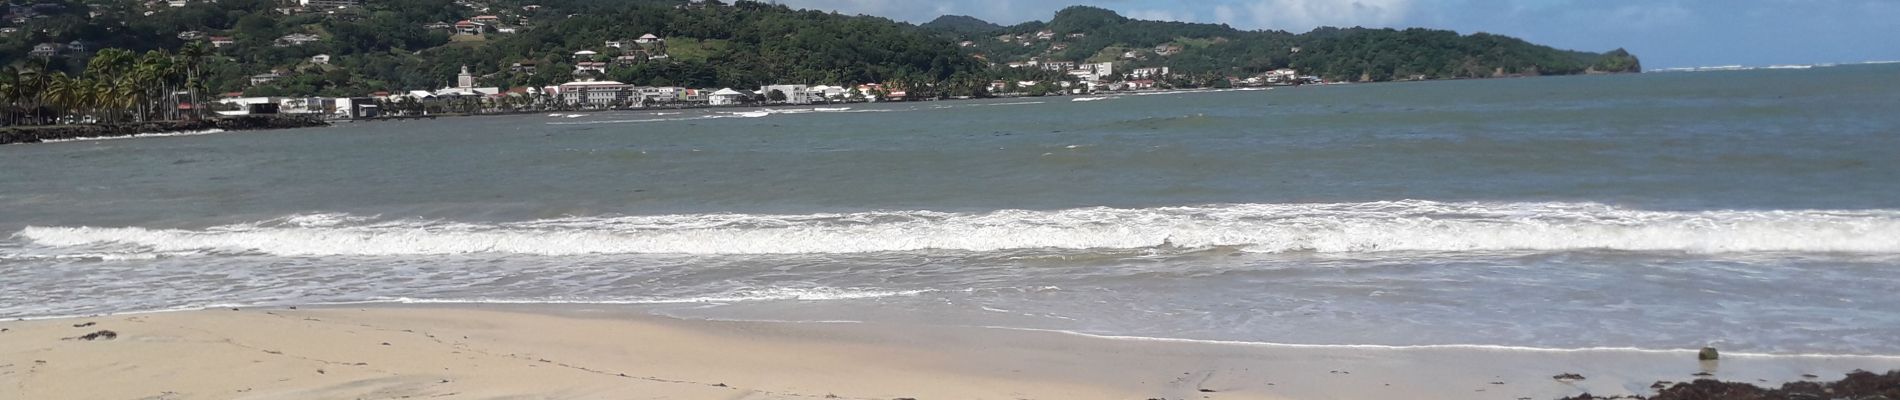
1088, 34
414, 44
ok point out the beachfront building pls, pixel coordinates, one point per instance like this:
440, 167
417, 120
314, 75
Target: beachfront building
823, 93
794, 94
599, 94
1282, 76
1149, 73
465, 87
726, 97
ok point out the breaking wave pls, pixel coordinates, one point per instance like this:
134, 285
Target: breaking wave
1423, 226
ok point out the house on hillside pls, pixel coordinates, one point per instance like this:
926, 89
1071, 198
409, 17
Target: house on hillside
616, 44
631, 59
594, 67
1168, 49
222, 41
45, 50
1148, 73
523, 66
264, 78
317, 4
320, 59
438, 26
585, 55
1045, 35
191, 35
295, 39
467, 27
1058, 65
486, 19
649, 39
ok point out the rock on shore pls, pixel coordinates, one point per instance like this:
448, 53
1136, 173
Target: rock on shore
37, 134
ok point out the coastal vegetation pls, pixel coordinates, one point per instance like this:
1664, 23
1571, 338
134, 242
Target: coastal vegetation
392, 45
1092, 34
116, 85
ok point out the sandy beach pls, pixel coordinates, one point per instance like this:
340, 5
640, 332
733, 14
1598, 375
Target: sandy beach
468, 352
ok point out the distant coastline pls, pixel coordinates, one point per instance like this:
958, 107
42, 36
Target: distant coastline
41, 134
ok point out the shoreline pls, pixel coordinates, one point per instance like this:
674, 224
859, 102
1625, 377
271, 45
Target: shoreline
571, 351
66, 133
644, 310
85, 132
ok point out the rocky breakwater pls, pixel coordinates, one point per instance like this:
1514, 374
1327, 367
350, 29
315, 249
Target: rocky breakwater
37, 134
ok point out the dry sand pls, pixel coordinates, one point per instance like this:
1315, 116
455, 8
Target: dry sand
470, 352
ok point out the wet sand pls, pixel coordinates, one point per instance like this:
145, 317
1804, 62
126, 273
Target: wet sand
545, 352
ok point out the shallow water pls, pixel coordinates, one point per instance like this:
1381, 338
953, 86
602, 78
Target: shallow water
1754, 210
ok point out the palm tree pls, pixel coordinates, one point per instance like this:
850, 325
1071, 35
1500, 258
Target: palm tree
11, 90
63, 92
193, 55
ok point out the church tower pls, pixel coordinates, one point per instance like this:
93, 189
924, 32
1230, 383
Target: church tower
465, 80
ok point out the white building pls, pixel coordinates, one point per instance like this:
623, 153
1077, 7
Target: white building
465, 86
596, 93
324, 59
726, 97
1149, 73
827, 92
794, 94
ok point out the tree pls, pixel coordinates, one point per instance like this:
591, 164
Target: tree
775, 96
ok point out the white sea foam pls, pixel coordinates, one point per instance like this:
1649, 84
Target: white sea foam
142, 135
738, 296
1327, 228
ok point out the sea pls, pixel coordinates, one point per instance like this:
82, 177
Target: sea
1757, 211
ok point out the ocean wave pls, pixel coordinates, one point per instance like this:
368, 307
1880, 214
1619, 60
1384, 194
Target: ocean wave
738, 296
141, 135
1419, 226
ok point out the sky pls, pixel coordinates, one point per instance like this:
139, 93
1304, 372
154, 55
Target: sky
1663, 33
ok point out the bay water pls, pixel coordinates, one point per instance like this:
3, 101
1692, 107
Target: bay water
1758, 211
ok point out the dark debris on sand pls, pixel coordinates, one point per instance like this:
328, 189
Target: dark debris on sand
1858, 385
100, 335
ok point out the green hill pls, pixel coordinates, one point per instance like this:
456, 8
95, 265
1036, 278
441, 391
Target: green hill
403, 44
960, 24
1354, 54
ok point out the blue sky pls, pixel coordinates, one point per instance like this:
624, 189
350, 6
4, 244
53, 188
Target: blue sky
1665, 33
